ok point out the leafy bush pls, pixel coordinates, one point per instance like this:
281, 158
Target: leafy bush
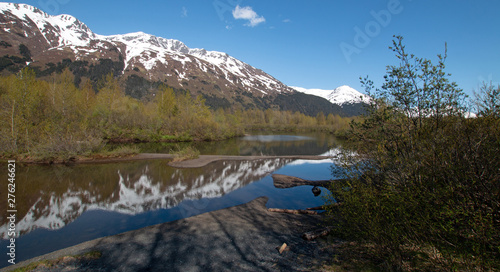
423, 174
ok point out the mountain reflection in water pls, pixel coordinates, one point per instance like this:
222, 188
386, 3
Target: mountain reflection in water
60, 206
57, 195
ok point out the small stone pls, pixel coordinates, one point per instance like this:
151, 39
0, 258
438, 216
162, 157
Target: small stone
282, 248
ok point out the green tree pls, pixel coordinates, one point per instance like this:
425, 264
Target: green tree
166, 100
105, 115
320, 119
22, 101
421, 174
109, 92
488, 100
88, 95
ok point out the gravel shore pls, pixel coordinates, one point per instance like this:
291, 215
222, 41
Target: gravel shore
240, 238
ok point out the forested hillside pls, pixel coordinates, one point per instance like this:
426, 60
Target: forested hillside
43, 119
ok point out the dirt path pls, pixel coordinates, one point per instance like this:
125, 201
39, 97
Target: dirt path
240, 238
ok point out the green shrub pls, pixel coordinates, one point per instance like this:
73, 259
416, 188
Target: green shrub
422, 175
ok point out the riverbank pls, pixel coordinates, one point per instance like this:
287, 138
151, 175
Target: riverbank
240, 238
201, 161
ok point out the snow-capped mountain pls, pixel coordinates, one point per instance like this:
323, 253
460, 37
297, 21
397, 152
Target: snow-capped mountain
29, 36
51, 39
340, 96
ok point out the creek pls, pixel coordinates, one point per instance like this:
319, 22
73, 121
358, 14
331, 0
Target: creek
60, 206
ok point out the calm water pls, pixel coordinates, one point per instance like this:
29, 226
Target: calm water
60, 206
262, 144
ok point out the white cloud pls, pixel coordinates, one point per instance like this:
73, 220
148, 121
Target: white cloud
287, 21
184, 12
247, 13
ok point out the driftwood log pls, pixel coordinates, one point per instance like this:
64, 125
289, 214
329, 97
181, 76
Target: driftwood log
324, 207
319, 208
311, 235
292, 211
312, 210
283, 182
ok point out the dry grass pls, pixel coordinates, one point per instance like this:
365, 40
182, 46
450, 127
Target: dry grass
354, 256
186, 153
60, 262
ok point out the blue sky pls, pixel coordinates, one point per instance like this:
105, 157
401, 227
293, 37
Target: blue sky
313, 44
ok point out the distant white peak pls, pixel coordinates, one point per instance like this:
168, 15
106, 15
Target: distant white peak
316, 92
341, 95
346, 94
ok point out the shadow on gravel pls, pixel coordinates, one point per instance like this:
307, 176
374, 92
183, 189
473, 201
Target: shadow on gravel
240, 238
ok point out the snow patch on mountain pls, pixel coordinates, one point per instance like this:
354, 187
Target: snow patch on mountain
60, 30
341, 95
139, 48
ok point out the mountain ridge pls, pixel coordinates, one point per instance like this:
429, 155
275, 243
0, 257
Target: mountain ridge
64, 41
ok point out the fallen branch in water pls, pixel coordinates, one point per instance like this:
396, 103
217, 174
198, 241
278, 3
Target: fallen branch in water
324, 207
292, 211
311, 235
319, 208
283, 182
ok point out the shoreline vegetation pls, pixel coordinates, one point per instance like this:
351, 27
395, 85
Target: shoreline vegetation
52, 120
421, 179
